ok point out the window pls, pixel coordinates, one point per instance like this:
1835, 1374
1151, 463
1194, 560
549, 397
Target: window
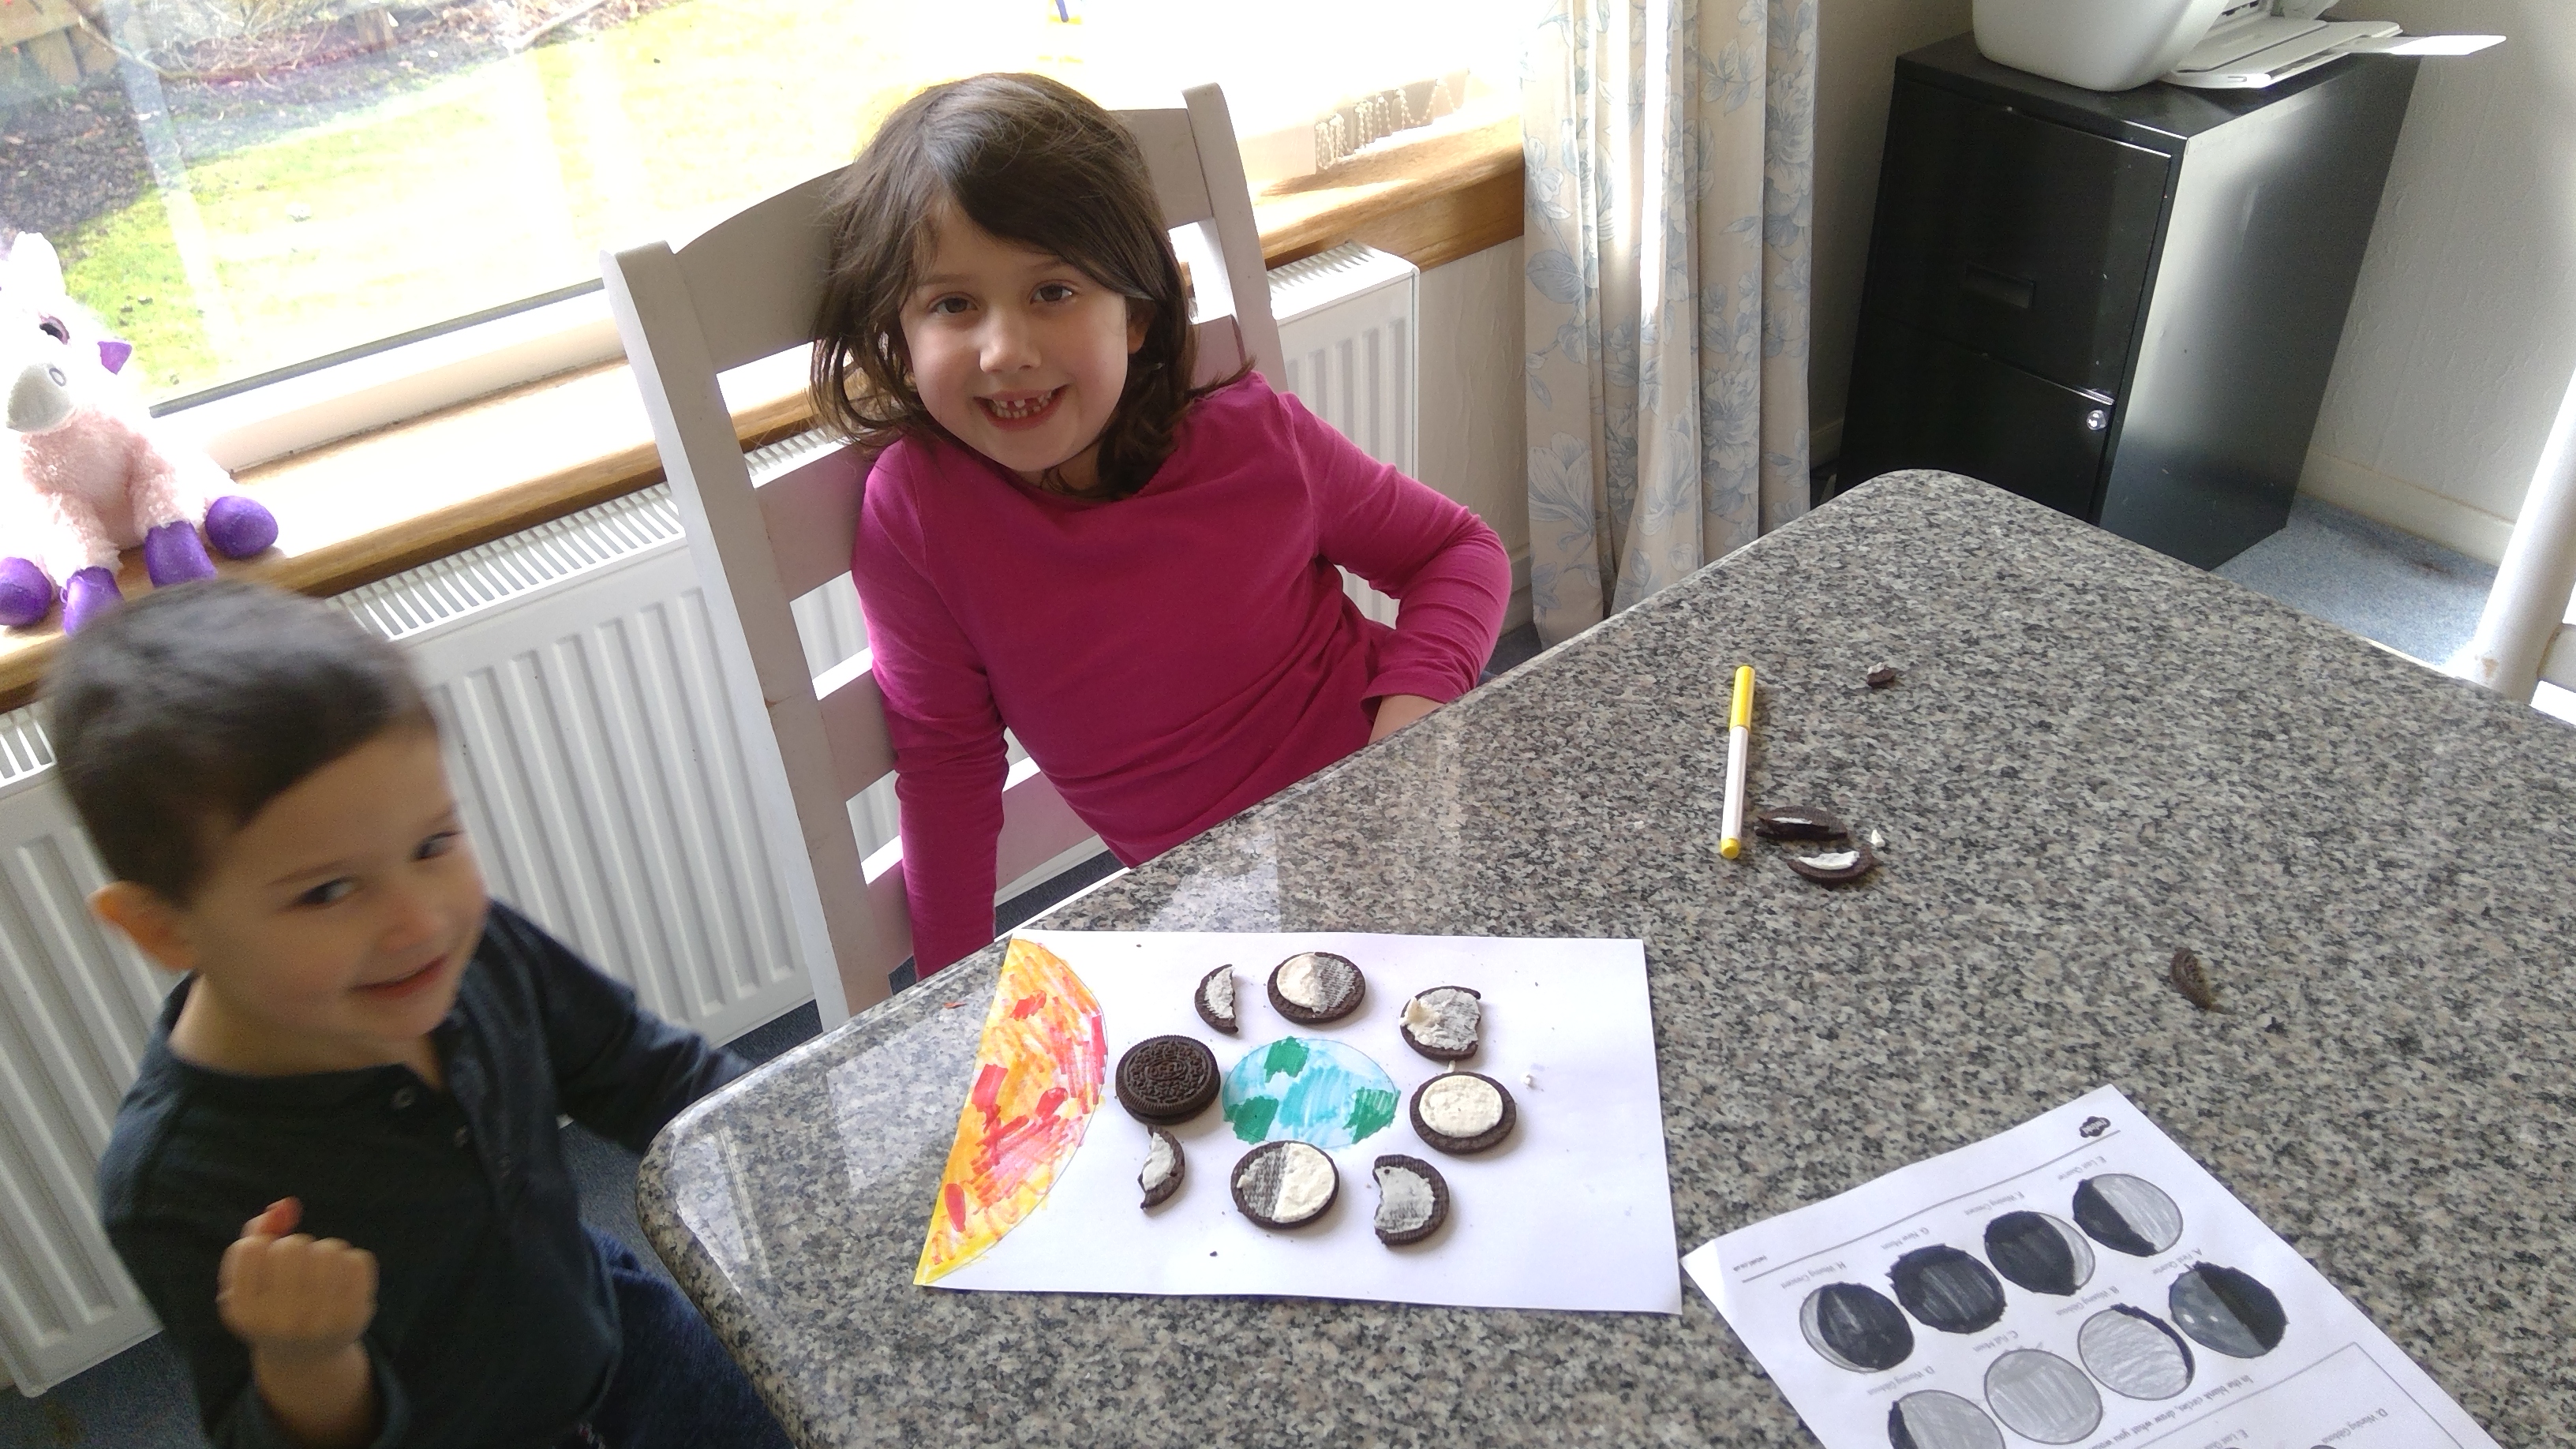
243, 187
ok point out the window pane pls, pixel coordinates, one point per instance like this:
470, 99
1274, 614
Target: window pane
239, 186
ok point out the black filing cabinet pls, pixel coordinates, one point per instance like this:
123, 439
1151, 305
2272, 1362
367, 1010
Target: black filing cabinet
2125, 305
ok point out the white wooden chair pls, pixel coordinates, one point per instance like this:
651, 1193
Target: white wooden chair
750, 288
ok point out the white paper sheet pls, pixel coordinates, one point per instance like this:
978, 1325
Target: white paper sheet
1573, 1211
2332, 1378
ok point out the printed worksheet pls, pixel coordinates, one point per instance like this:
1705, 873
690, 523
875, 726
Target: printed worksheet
2076, 1280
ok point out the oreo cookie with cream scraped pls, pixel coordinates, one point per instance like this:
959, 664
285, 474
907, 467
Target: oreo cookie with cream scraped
1215, 1000
1314, 987
1165, 1166
1412, 1200
1444, 1023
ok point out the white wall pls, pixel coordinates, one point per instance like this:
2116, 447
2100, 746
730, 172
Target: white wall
2463, 329
1857, 43
1473, 436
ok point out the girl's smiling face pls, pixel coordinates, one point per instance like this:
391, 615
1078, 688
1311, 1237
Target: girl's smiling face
1019, 354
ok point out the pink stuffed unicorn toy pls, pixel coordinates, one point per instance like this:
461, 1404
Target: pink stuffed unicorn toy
92, 472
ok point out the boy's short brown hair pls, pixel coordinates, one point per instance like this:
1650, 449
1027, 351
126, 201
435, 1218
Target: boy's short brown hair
177, 717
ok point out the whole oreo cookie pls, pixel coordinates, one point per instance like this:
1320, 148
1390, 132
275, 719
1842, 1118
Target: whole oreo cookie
1412, 1200
1215, 999
1166, 1079
1443, 1023
1463, 1112
1314, 987
1285, 1184
1164, 1168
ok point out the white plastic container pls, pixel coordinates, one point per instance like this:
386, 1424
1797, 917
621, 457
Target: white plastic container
2101, 45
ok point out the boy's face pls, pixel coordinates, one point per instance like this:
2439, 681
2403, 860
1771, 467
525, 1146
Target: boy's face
333, 927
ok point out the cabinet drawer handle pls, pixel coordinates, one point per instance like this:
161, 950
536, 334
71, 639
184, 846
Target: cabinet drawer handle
2014, 292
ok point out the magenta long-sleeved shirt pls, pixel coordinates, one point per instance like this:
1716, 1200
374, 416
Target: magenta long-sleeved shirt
1168, 658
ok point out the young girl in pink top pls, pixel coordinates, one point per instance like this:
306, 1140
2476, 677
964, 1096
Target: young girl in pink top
1064, 537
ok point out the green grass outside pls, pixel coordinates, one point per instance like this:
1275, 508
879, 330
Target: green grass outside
504, 181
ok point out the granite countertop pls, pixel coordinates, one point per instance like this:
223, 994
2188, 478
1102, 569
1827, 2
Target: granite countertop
2095, 755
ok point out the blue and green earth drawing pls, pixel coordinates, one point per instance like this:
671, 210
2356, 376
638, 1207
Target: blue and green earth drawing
1315, 1091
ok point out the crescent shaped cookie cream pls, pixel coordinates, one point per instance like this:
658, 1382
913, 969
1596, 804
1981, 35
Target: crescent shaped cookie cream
1314, 987
1215, 1000
1165, 1166
1463, 1112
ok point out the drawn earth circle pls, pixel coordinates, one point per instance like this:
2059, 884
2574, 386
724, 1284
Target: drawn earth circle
1308, 1090
1932, 1419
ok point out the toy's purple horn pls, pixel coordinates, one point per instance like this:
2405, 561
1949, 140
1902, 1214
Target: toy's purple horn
113, 353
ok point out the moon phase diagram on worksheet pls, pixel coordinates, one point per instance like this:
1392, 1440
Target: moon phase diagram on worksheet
2077, 1280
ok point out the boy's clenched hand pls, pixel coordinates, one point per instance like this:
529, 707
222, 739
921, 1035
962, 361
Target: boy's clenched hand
301, 1305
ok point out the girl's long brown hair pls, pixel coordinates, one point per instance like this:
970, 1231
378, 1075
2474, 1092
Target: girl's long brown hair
1031, 161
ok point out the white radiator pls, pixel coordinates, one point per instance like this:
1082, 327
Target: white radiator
601, 777
1347, 325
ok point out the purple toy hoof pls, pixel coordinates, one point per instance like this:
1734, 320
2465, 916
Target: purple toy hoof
173, 554
87, 594
239, 527
26, 595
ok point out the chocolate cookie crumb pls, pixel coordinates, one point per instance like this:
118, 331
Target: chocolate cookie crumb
1881, 677
2191, 979
1444, 1023
1412, 1200
1463, 1112
1285, 1184
1167, 1079
1314, 987
1215, 999
1165, 1166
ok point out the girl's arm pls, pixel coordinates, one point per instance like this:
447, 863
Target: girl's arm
1408, 541
946, 731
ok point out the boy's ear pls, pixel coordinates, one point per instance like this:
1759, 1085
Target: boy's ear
149, 920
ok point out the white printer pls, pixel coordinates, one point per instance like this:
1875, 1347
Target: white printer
2113, 45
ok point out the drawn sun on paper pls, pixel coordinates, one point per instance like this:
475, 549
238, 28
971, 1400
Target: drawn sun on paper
1038, 1074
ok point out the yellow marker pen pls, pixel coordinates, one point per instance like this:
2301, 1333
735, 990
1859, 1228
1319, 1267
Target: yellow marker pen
1739, 735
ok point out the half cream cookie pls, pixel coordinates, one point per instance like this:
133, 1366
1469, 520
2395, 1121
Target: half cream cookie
1463, 1112
1285, 1184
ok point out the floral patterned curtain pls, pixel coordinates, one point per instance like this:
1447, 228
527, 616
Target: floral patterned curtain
1670, 175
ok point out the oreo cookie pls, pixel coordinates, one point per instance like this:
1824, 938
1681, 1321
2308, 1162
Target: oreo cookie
1285, 1184
1835, 867
1443, 1023
1412, 1200
1215, 999
1463, 1112
1164, 1168
1166, 1079
1314, 987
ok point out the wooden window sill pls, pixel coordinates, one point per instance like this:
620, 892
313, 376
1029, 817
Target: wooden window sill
360, 509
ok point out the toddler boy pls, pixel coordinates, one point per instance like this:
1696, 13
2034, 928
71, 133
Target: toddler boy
337, 1179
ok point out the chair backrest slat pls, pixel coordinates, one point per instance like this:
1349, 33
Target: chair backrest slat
854, 721
766, 262
811, 514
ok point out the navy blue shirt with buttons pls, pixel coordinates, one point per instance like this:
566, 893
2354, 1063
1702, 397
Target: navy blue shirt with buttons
495, 1325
